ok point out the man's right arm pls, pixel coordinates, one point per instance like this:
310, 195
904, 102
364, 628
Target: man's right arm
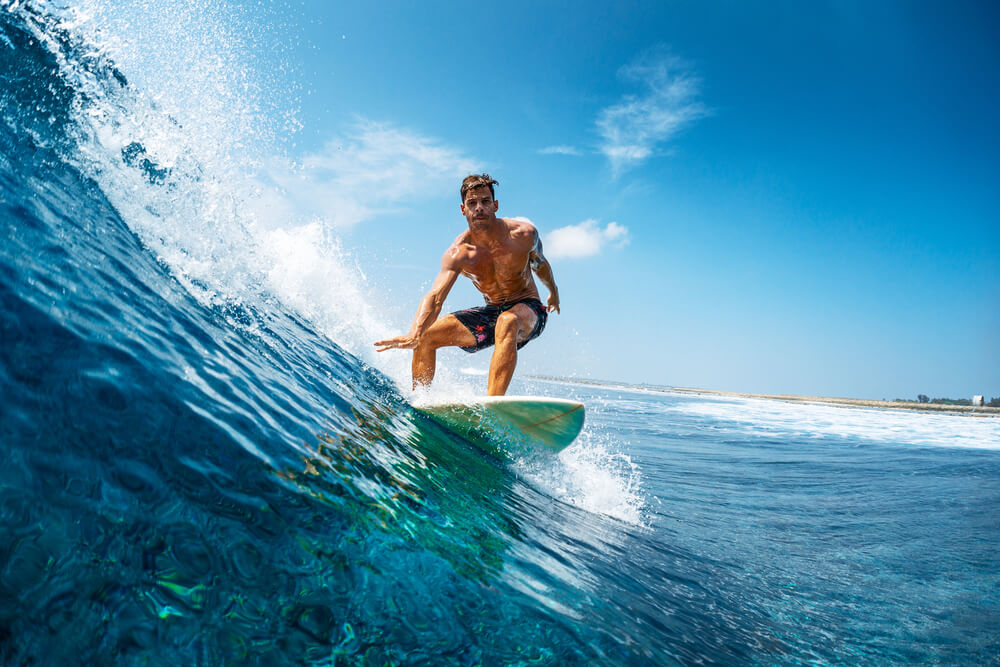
430, 306
433, 301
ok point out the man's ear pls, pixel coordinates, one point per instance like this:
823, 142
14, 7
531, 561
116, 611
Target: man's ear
496, 205
461, 207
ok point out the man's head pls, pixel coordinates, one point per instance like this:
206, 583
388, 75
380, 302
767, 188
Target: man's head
478, 205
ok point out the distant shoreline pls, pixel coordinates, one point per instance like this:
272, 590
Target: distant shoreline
965, 410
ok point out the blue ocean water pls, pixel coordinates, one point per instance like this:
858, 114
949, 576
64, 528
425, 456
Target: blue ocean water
199, 466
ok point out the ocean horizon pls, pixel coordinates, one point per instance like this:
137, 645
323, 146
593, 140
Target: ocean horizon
889, 404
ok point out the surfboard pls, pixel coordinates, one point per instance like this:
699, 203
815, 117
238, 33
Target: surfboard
511, 424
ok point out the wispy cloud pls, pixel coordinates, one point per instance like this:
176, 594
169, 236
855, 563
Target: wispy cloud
634, 128
584, 239
373, 169
560, 150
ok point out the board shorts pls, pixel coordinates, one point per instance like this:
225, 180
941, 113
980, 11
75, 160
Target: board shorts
482, 322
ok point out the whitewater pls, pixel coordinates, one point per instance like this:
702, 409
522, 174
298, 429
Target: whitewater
204, 462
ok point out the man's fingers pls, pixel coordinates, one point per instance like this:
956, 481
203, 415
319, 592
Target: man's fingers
400, 342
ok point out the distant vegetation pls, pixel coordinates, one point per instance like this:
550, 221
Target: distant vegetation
922, 398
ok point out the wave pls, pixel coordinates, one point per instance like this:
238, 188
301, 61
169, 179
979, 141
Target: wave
201, 462
752, 417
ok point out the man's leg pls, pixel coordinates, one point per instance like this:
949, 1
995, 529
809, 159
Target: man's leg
446, 331
513, 325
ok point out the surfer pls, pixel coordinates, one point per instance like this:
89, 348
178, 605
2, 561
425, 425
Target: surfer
498, 256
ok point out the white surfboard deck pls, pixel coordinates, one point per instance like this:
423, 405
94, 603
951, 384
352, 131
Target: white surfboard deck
494, 421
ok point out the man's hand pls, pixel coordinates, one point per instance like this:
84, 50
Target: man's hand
553, 303
398, 343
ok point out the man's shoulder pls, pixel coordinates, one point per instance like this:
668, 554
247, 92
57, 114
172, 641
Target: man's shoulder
519, 224
521, 228
458, 251
461, 243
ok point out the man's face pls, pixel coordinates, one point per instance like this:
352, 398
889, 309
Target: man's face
479, 206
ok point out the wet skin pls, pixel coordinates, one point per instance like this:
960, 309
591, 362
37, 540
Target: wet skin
498, 255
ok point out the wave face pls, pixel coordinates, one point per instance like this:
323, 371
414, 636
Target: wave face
192, 470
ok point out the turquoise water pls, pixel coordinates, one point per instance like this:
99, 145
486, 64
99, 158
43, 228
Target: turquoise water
200, 466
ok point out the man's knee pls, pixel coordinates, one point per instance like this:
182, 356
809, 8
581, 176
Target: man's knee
431, 340
507, 327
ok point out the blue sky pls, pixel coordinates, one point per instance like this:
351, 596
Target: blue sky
782, 198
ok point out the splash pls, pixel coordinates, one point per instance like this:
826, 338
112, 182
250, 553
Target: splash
596, 476
172, 120
594, 473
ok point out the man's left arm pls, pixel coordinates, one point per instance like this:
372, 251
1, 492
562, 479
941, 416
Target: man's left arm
543, 270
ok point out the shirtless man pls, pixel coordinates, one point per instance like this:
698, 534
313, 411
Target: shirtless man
498, 256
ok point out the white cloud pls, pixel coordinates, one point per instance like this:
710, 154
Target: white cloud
632, 130
375, 168
584, 239
560, 150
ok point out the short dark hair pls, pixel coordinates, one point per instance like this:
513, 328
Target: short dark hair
473, 181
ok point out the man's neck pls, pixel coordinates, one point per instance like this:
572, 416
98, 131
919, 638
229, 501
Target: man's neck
492, 231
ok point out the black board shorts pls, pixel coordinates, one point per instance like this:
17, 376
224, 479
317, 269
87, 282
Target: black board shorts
482, 322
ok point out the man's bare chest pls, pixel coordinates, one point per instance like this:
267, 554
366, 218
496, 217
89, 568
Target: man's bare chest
499, 262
